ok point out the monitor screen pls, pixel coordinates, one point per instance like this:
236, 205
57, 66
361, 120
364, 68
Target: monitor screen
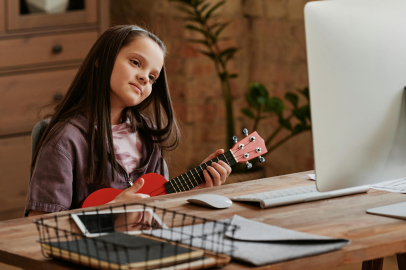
356, 53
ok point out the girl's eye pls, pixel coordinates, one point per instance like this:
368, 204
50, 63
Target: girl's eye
135, 62
152, 78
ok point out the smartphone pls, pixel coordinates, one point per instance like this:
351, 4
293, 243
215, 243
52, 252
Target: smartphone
134, 221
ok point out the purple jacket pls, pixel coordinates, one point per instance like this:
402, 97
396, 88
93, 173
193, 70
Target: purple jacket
58, 181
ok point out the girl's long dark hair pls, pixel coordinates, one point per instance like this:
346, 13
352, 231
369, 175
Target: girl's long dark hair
89, 94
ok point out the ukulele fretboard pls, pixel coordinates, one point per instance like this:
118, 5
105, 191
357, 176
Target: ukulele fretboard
194, 177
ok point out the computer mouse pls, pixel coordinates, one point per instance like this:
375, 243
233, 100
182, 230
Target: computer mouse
211, 200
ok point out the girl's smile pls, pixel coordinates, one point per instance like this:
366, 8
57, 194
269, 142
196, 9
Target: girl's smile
136, 87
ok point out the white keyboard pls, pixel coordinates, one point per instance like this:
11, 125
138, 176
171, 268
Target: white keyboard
296, 195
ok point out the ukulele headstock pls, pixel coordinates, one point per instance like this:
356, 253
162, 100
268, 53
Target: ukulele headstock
250, 147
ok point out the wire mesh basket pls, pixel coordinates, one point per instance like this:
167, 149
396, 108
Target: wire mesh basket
136, 236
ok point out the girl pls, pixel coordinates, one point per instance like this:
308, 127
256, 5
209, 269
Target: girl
100, 136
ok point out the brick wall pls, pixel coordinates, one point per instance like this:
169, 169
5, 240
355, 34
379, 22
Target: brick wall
270, 34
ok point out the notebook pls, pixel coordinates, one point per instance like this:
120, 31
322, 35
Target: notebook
121, 251
296, 195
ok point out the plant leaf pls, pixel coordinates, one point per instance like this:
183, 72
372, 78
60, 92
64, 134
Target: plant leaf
204, 8
292, 98
251, 101
275, 105
209, 54
305, 92
258, 95
306, 111
262, 100
187, 11
221, 28
302, 113
248, 112
258, 89
299, 115
298, 128
199, 2
285, 123
214, 25
207, 16
192, 27
228, 53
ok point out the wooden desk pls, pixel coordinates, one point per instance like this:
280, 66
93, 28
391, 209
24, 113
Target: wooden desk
372, 236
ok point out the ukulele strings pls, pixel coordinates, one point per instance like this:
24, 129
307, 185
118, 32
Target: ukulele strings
238, 150
220, 157
199, 174
193, 174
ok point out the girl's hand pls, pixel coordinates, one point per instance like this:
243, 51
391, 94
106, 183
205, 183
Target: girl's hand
130, 194
219, 171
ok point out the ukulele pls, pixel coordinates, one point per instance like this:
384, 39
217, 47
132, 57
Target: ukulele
155, 184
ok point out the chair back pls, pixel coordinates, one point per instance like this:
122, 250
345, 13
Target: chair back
36, 134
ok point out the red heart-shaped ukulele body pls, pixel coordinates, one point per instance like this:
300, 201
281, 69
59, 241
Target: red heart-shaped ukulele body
153, 186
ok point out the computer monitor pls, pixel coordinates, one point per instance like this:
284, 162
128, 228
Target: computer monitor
356, 53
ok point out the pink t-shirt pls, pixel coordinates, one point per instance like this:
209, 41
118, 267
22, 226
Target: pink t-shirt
127, 146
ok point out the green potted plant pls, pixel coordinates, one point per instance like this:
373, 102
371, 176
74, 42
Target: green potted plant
199, 15
262, 106
199, 19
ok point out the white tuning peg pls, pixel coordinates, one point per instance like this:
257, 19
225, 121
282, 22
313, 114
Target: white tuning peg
261, 159
249, 165
235, 140
245, 132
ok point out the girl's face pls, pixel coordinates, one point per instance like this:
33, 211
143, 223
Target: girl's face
136, 67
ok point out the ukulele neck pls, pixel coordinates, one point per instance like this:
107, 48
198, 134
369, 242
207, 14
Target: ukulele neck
194, 177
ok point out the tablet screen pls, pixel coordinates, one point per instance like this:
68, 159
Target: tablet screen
131, 221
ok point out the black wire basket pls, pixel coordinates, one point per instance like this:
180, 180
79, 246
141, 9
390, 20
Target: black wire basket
136, 236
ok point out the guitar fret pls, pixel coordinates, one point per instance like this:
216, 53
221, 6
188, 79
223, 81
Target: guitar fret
231, 158
226, 160
198, 175
177, 183
184, 189
173, 187
202, 171
190, 179
193, 178
185, 181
